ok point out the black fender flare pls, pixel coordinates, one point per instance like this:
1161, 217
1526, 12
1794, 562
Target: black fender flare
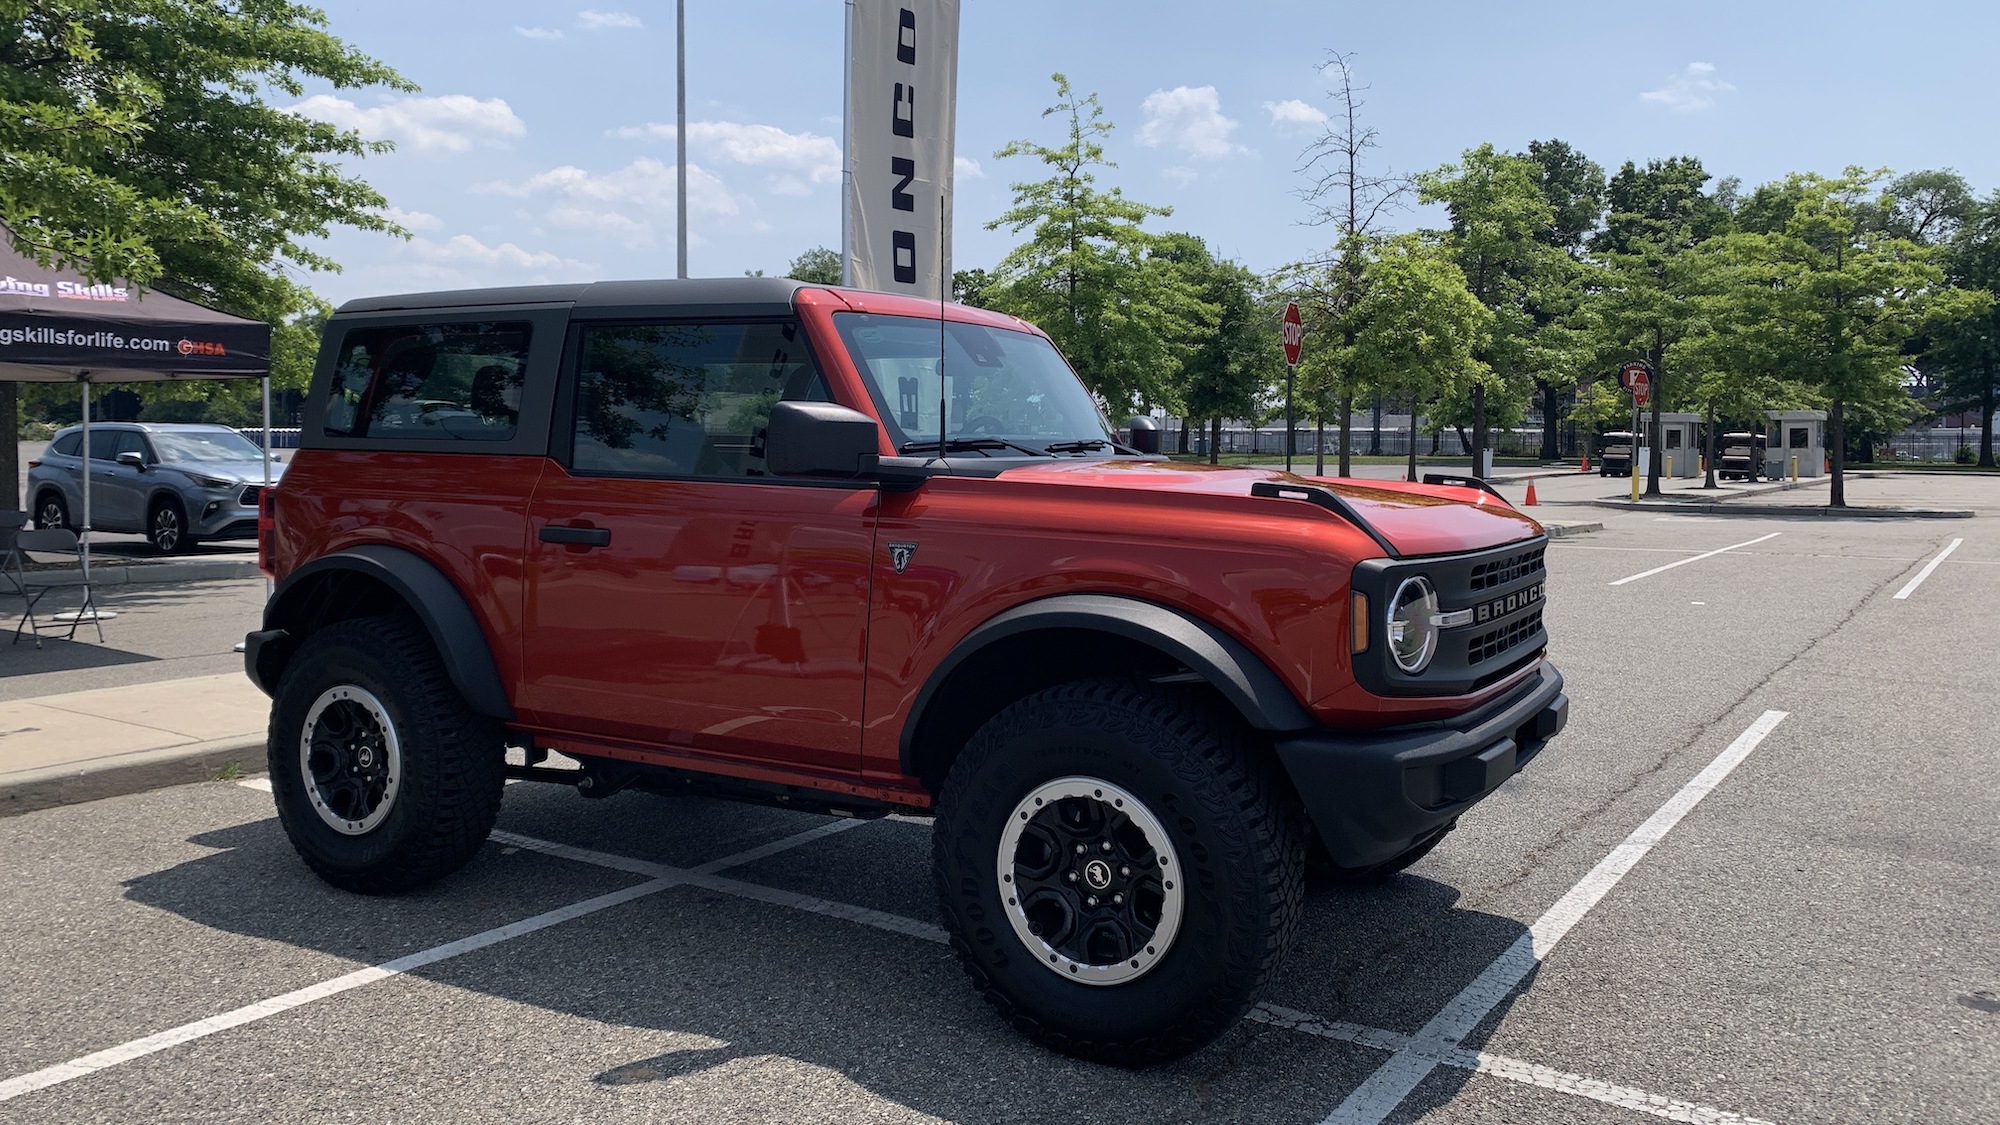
1221, 660
443, 611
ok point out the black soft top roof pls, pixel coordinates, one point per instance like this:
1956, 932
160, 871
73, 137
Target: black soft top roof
743, 294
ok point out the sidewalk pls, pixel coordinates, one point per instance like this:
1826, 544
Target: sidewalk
84, 745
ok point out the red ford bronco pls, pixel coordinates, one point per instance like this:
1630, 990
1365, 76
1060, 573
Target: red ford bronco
855, 553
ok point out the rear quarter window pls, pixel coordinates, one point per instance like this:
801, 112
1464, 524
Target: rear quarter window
449, 383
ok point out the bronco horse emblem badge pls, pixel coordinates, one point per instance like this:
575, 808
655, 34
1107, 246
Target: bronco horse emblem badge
899, 555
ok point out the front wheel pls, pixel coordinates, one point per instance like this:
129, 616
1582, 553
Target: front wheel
166, 528
384, 777
1119, 869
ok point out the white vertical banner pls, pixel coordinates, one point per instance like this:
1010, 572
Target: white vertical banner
902, 111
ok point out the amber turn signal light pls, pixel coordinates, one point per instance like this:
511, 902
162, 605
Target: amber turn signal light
1357, 617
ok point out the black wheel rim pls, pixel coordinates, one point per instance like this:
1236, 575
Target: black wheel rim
350, 759
1090, 881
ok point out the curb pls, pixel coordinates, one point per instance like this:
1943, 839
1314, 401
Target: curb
149, 573
1560, 530
78, 782
1725, 508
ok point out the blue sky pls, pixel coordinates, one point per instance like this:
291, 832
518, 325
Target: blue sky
541, 147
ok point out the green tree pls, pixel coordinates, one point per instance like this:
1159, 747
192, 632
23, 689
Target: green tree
136, 142
1231, 368
1645, 300
818, 265
1498, 237
1846, 295
1962, 354
968, 287
1574, 187
1418, 329
1126, 318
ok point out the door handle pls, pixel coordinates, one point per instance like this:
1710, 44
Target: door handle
578, 536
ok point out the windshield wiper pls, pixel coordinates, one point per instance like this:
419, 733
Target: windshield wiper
1085, 445
970, 445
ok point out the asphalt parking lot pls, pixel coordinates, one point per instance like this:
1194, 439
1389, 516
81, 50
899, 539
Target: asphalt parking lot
1755, 880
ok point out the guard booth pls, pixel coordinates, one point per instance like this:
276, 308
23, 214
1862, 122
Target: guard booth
1680, 440
1800, 434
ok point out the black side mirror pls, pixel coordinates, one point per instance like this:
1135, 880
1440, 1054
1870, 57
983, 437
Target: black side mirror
133, 458
1145, 435
819, 439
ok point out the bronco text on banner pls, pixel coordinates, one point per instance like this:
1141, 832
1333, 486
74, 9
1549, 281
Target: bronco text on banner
902, 109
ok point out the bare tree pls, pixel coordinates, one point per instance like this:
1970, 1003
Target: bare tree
1353, 199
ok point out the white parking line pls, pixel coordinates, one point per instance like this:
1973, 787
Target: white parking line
250, 1013
1374, 1100
1906, 591
1697, 558
1500, 1066
1396, 1043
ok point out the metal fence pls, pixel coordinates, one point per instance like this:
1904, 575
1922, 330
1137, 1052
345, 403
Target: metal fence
1395, 442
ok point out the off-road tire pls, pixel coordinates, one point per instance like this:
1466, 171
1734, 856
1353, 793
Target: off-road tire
50, 510
1229, 816
452, 764
167, 527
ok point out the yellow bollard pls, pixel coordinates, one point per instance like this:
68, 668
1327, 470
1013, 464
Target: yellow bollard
1670, 466
1795, 467
1635, 473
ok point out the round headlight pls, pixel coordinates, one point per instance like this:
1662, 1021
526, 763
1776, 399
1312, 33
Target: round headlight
1413, 636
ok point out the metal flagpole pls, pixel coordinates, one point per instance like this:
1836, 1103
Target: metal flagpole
681, 137
83, 533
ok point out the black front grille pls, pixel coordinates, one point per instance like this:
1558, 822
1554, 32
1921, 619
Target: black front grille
1485, 576
1488, 645
251, 495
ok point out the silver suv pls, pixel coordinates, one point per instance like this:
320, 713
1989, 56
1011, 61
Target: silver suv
175, 483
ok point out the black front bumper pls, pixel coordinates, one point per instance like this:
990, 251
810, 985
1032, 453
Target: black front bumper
1372, 796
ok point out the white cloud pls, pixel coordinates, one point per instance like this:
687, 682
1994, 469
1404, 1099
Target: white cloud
1694, 88
1190, 119
464, 249
966, 168
1295, 114
452, 123
759, 146
412, 220
538, 32
591, 20
633, 202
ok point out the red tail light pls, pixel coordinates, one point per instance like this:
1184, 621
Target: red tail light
34, 464
267, 534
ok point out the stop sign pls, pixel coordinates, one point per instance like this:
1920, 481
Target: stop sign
1294, 332
1641, 388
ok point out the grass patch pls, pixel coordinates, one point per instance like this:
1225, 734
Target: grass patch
230, 771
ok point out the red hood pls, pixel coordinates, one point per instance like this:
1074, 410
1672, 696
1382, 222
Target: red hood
1419, 519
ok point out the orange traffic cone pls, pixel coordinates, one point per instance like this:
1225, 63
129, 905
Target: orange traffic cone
1531, 502
1586, 461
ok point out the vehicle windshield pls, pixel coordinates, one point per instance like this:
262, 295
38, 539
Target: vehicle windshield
205, 445
1002, 391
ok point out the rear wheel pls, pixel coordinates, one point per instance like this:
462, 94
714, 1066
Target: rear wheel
1119, 869
50, 511
385, 778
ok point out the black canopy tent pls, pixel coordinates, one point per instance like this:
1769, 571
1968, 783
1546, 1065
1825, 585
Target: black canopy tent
56, 327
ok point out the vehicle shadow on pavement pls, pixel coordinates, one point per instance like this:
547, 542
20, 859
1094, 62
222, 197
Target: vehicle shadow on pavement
741, 995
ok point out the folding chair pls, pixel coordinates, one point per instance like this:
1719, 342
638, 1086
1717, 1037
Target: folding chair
11, 524
52, 540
